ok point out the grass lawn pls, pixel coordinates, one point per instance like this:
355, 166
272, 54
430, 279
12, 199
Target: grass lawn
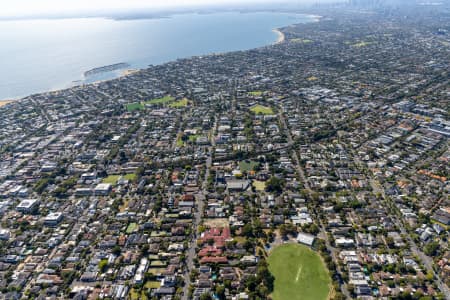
259, 185
219, 222
157, 264
111, 179
180, 142
239, 239
135, 295
130, 177
182, 103
162, 100
264, 110
152, 284
134, 106
131, 227
141, 105
299, 273
193, 138
156, 271
256, 93
248, 165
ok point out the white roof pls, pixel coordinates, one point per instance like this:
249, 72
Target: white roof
53, 216
103, 187
27, 203
305, 238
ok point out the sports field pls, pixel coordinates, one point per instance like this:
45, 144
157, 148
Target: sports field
299, 273
141, 105
248, 165
130, 177
259, 185
162, 100
260, 109
134, 106
111, 179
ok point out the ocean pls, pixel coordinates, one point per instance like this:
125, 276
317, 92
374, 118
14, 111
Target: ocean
42, 55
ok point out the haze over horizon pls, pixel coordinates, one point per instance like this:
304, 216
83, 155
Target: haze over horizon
20, 8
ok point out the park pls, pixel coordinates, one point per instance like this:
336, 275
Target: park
299, 273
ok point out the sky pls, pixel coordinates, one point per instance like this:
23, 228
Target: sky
12, 8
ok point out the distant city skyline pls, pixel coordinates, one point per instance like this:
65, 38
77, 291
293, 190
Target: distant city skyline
45, 7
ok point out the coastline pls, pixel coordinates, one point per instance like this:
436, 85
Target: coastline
281, 37
129, 72
5, 102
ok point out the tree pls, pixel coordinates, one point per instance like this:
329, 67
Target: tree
390, 241
140, 172
148, 276
264, 276
116, 250
205, 296
311, 228
339, 296
42, 184
286, 229
431, 248
103, 265
405, 296
258, 228
220, 292
144, 249
251, 283
275, 185
247, 230
429, 276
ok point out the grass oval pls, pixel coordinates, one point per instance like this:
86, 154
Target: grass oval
299, 272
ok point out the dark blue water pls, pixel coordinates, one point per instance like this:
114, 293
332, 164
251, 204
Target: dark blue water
42, 55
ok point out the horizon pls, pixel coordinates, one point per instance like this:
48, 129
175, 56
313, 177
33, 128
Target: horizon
32, 8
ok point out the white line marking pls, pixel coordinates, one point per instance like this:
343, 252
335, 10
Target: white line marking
298, 273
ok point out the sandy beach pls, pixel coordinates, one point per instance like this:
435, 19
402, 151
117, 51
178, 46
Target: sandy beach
281, 36
4, 102
129, 72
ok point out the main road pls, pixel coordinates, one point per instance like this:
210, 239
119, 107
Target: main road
323, 231
199, 204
